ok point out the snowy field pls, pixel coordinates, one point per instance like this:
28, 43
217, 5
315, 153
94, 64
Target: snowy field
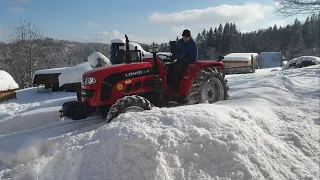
268, 129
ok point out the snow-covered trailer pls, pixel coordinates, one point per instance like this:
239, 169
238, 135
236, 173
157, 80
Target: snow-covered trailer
238, 63
8, 86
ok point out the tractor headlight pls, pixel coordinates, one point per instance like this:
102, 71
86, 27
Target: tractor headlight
89, 80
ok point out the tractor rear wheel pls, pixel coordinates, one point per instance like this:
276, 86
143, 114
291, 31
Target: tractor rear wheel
133, 103
209, 85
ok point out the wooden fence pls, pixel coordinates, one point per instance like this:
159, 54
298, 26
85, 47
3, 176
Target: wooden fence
239, 70
7, 95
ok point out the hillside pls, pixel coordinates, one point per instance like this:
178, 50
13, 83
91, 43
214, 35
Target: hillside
268, 129
48, 53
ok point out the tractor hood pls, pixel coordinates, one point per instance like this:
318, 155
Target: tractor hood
127, 70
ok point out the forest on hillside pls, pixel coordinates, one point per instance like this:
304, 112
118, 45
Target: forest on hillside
21, 60
23, 56
297, 39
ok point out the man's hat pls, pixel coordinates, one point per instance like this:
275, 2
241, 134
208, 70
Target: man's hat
187, 33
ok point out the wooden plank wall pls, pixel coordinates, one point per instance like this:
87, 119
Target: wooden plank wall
7, 95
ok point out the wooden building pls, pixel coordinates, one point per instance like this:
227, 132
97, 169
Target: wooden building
239, 63
240, 59
8, 86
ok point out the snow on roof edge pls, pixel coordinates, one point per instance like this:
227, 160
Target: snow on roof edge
239, 56
51, 71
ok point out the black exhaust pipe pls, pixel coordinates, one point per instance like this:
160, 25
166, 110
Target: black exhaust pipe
128, 58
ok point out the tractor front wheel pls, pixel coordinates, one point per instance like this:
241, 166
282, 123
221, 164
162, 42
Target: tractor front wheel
132, 103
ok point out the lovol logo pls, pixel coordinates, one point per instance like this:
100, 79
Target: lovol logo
138, 73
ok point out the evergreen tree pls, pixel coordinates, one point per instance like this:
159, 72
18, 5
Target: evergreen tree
218, 39
210, 38
307, 33
297, 45
226, 41
235, 39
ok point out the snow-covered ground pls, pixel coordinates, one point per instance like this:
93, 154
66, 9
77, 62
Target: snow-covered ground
268, 129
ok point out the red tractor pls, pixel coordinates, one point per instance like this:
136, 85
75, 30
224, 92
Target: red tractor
138, 86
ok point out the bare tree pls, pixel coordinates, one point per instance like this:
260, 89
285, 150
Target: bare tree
28, 38
294, 7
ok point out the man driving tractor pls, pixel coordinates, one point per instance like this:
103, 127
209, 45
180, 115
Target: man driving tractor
187, 52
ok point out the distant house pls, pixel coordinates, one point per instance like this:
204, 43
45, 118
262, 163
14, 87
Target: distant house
240, 59
8, 86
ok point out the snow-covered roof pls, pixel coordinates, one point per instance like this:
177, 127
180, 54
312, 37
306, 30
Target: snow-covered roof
51, 71
7, 82
132, 45
239, 56
122, 41
262, 53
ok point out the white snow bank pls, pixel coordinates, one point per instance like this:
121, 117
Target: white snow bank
301, 61
29, 99
7, 82
239, 56
28, 120
94, 59
269, 129
74, 73
51, 71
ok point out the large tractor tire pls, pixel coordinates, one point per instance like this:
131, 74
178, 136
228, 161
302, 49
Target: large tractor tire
132, 103
209, 85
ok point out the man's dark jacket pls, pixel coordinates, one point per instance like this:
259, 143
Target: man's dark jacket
187, 52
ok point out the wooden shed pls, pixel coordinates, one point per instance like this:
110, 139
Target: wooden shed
240, 59
8, 86
240, 63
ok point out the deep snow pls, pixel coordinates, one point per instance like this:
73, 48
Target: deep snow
297, 62
268, 129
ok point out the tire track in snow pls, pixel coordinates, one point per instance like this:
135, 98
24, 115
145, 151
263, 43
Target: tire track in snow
24, 146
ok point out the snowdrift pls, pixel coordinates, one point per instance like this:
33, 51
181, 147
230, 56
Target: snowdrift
7, 82
302, 61
269, 129
74, 73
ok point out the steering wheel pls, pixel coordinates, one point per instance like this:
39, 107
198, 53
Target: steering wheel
167, 60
